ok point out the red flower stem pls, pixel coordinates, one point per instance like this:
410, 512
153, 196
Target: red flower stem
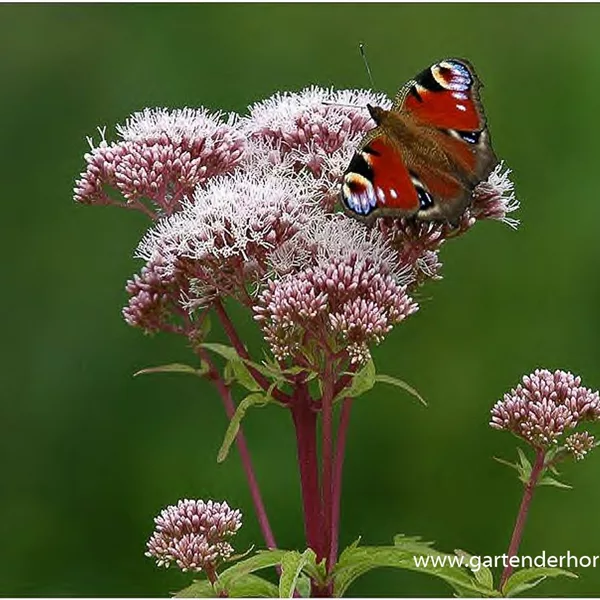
327, 454
515, 541
305, 423
243, 353
242, 446
338, 468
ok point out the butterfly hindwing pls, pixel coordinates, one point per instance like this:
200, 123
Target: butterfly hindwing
435, 137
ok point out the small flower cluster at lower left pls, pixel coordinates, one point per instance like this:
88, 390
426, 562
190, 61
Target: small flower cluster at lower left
193, 534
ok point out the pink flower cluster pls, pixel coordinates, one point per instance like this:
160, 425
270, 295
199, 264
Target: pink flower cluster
194, 535
348, 303
545, 405
162, 156
245, 207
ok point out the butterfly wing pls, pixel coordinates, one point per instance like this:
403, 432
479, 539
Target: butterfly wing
377, 180
427, 154
444, 102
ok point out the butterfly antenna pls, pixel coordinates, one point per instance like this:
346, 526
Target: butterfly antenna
361, 47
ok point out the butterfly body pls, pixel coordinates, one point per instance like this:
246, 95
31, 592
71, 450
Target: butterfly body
426, 154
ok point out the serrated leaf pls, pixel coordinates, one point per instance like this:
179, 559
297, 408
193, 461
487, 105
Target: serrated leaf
292, 564
401, 384
361, 382
525, 579
482, 574
175, 368
415, 545
247, 586
234, 423
354, 562
547, 480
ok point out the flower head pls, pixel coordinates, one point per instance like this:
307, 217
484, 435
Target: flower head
162, 156
347, 296
194, 535
223, 237
495, 198
579, 444
156, 297
316, 130
544, 406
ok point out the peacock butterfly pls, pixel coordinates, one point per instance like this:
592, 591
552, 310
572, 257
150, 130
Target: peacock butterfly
427, 154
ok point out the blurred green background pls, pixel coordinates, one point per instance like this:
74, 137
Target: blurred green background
90, 455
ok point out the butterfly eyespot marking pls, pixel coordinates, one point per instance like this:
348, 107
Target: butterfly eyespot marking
381, 195
358, 194
452, 75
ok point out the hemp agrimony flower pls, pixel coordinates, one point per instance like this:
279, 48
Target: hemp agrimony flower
194, 535
162, 156
544, 406
540, 410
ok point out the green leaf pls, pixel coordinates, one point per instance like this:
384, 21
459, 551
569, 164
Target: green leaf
227, 352
175, 368
356, 561
482, 575
401, 384
547, 480
292, 564
317, 572
252, 586
525, 579
506, 462
414, 544
234, 424
261, 560
198, 589
361, 382
243, 377
523, 467
303, 585
525, 464
205, 327
248, 586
